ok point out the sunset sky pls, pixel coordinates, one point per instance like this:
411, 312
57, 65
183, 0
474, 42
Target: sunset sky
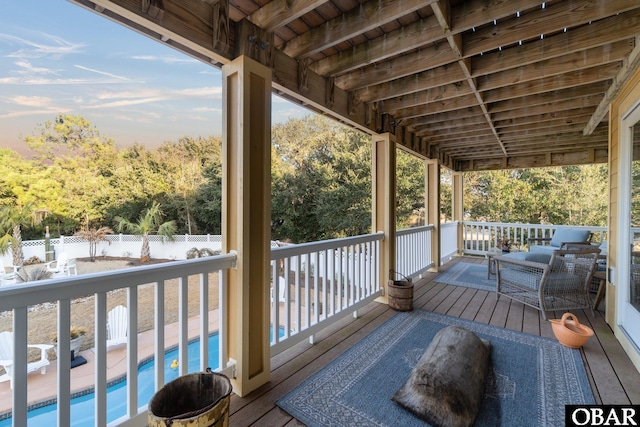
56, 57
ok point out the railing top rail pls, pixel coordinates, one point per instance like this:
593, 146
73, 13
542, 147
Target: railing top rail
528, 225
24, 295
413, 230
323, 245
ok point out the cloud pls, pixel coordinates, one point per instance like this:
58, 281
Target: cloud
103, 73
56, 49
27, 68
32, 101
15, 114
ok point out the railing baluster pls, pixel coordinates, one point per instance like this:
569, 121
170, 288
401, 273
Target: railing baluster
20, 366
159, 320
100, 334
132, 351
204, 322
183, 325
287, 298
64, 362
223, 358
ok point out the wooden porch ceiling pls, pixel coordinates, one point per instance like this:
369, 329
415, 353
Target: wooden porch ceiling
476, 84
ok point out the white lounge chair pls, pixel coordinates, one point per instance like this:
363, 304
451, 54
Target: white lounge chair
282, 284
117, 325
6, 357
62, 265
7, 277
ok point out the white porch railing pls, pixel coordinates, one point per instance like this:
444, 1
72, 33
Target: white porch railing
61, 292
316, 284
479, 237
413, 250
448, 241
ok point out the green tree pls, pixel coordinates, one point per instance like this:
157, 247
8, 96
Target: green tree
149, 222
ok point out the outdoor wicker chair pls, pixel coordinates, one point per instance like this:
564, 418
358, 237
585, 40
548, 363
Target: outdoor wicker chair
562, 284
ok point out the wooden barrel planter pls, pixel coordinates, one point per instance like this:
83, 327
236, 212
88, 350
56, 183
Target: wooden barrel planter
200, 399
400, 293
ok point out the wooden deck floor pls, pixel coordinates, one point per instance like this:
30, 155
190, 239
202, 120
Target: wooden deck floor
613, 377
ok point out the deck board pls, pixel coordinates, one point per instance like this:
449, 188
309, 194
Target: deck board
613, 377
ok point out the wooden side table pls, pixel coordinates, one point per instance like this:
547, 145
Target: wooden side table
602, 275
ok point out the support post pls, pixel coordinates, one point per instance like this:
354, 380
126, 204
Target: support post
246, 213
457, 208
384, 203
432, 203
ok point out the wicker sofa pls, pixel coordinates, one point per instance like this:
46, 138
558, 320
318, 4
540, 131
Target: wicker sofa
561, 284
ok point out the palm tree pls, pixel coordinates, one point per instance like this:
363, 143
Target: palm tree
11, 220
148, 223
94, 236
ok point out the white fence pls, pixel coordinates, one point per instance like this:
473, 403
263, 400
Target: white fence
121, 245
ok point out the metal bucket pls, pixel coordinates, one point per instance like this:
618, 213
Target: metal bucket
193, 400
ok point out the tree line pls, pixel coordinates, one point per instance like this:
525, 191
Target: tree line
77, 179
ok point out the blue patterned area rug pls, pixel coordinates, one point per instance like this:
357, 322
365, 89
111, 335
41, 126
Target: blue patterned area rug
469, 275
530, 380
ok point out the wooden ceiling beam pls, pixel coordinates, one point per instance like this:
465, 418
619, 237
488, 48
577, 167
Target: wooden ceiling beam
427, 96
278, 13
604, 32
445, 120
556, 16
579, 157
441, 106
436, 56
435, 78
453, 131
468, 115
555, 83
473, 13
363, 18
597, 56
407, 65
575, 97
568, 116
413, 106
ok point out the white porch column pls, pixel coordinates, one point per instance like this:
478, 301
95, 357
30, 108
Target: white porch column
383, 210
432, 204
457, 208
246, 216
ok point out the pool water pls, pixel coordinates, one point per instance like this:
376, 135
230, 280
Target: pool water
83, 408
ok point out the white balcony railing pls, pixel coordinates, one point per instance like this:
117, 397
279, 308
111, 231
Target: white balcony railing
413, 251
479, 237
61, 292
316, 284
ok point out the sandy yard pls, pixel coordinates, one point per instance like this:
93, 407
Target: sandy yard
42, 319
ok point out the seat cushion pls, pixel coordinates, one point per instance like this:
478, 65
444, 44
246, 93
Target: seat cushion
563, 234
542, 257
545, 249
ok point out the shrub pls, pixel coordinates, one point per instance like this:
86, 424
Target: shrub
200, 253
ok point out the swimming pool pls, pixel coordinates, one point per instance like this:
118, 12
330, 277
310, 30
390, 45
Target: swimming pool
82, 407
